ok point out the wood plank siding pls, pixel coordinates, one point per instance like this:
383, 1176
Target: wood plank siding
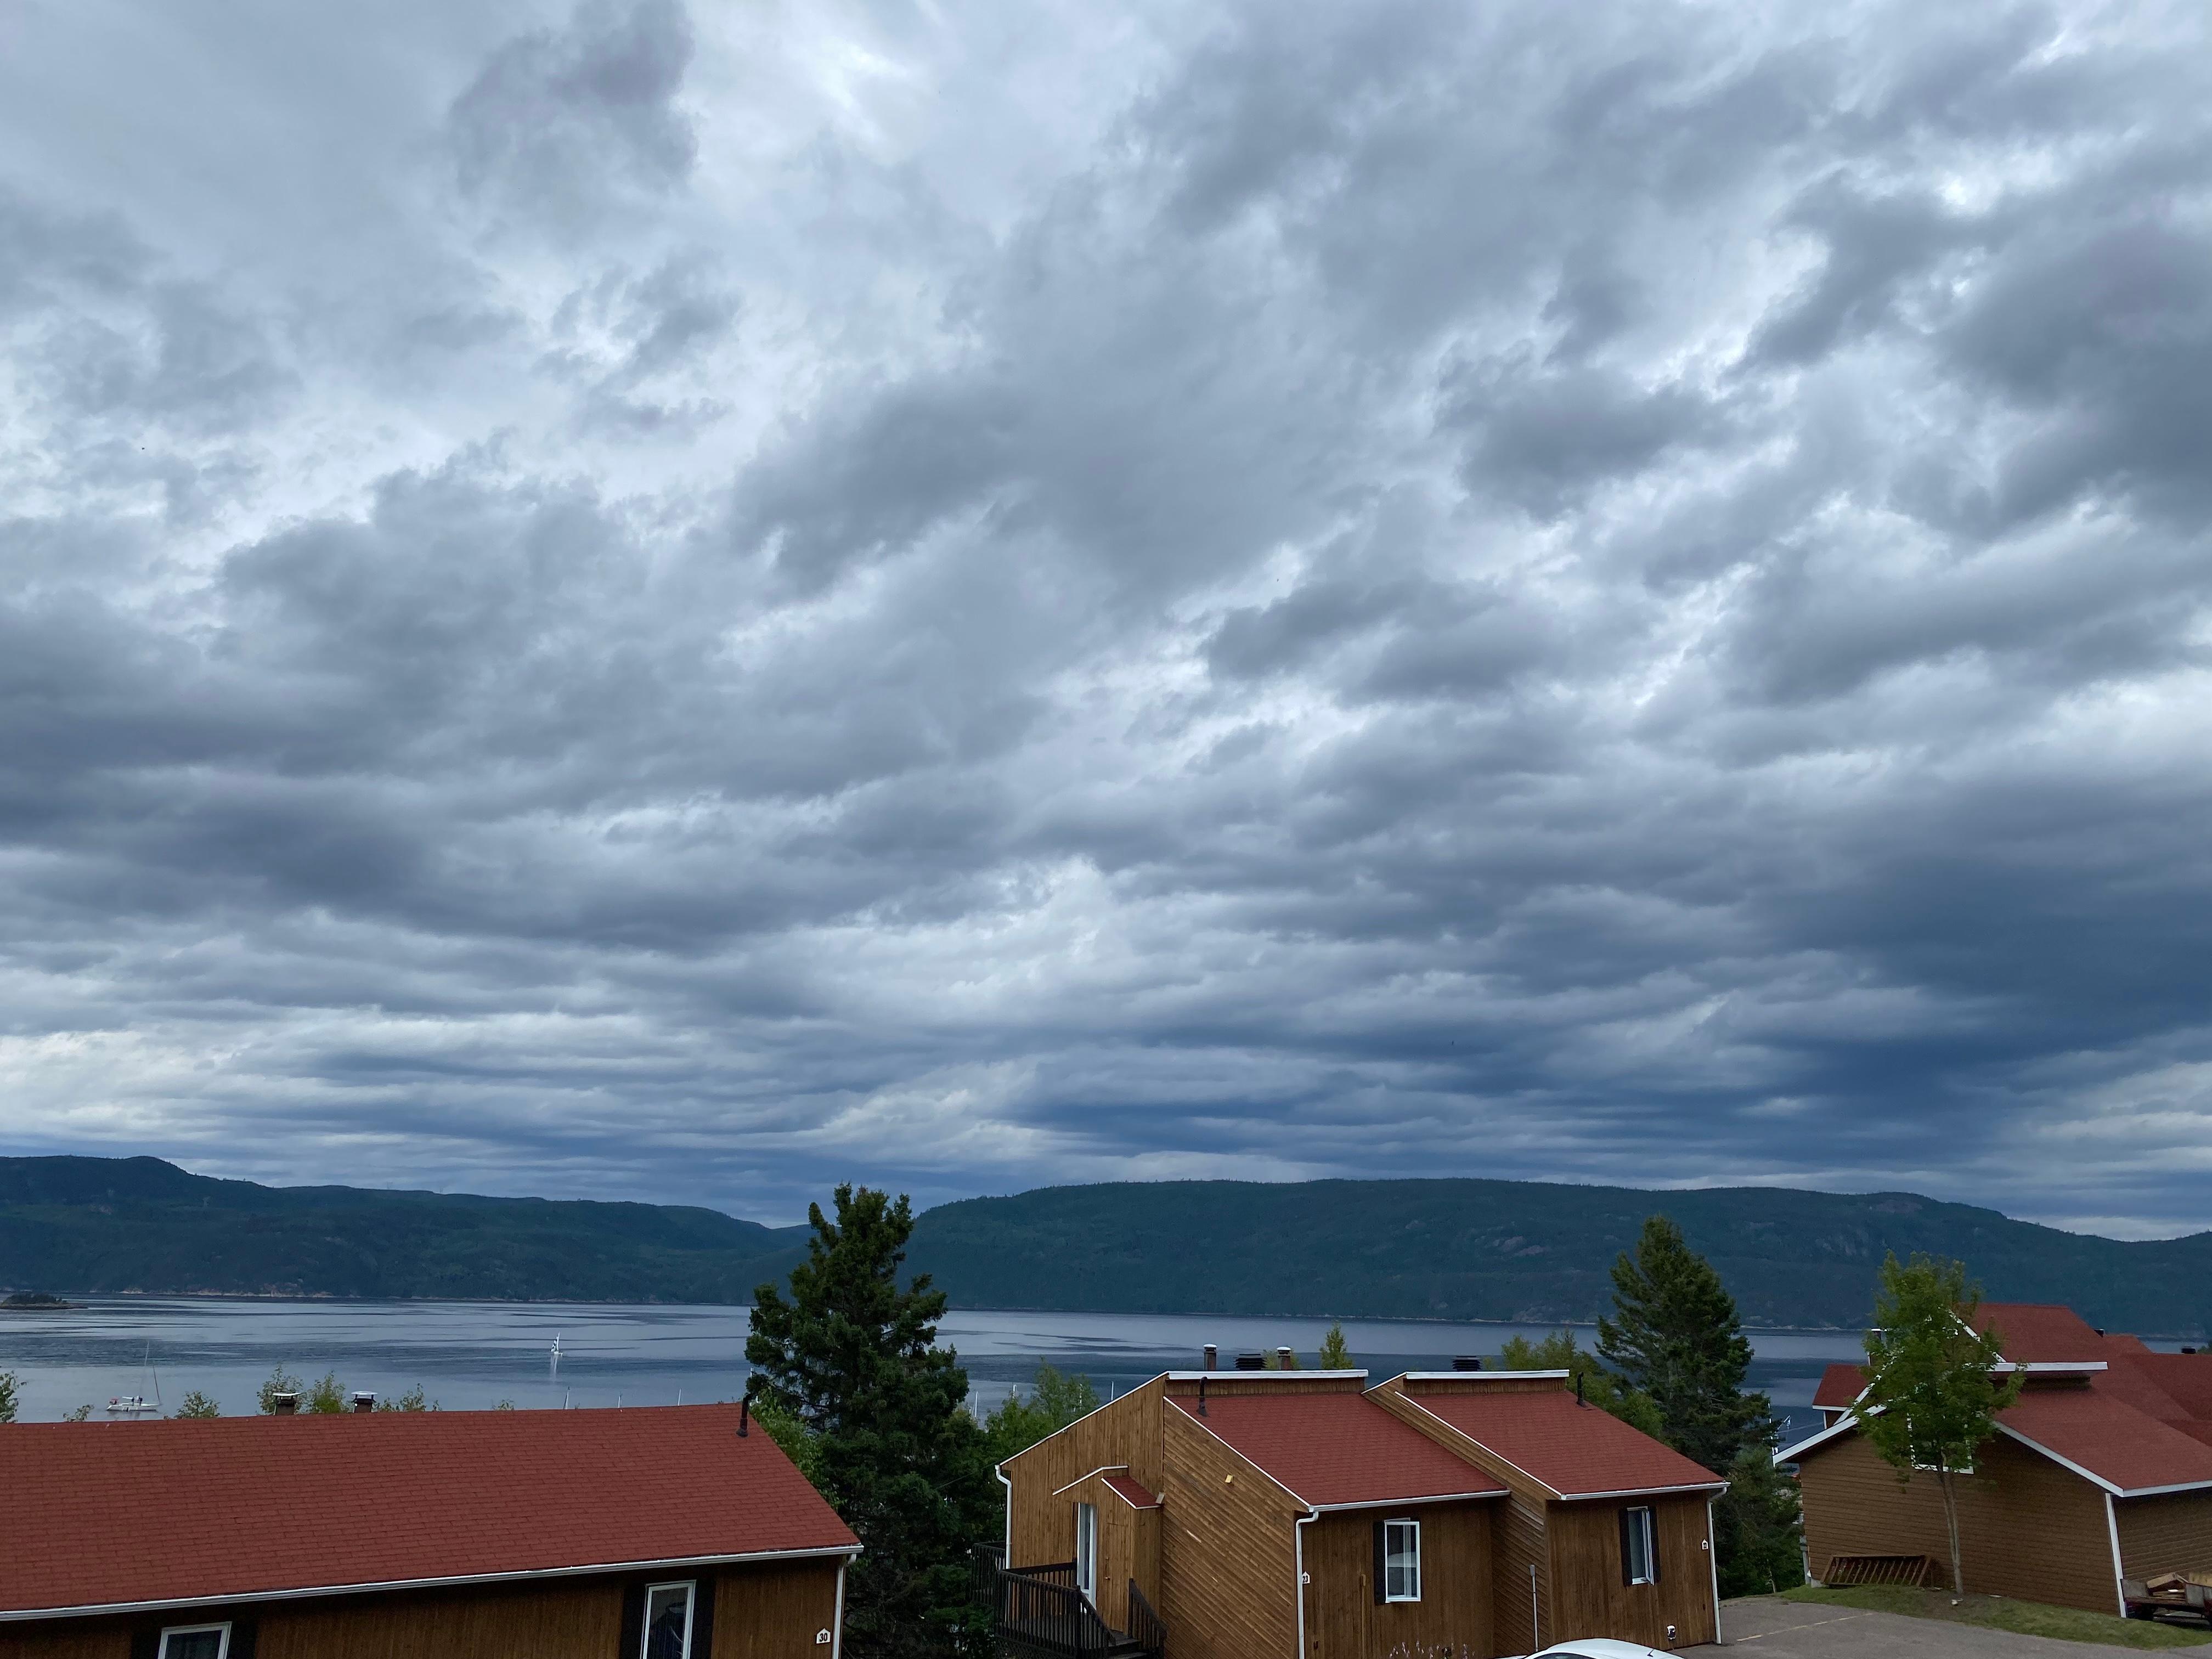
1345, 1622
76, 1639
774, 1611
1122, 1434
771, 1611
2027, 1527
2172, 1534
1228, 1567
1591, 1594
1519, 1543
1521, 1571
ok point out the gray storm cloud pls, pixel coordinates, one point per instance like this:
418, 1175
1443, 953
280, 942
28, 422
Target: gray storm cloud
681, 603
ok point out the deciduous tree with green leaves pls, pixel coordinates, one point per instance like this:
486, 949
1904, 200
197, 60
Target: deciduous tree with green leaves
199, 1405
1056, 1399
280, 1381
1933, 1390
326, 1396
1336, 1353
9, 1386
853, 1354
1560, 1351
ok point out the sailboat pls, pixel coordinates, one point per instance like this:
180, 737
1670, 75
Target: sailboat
136, 1405
554, 1374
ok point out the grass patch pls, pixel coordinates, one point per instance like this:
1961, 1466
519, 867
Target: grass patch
2001, 1613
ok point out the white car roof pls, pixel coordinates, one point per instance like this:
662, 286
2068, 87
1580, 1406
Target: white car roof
1602, 1647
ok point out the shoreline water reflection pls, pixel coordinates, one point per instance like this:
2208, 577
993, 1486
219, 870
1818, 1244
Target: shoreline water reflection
471, 1355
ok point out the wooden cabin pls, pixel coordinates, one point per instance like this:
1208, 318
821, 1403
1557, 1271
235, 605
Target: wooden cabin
2101, 1475
662, 1533
1230, 1514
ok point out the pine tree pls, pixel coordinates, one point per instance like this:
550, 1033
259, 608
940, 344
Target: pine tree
853, 1355
1675, 1337
1758, 1527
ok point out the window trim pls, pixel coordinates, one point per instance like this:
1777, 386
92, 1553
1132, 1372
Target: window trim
1414, 1527
222, 1646
1646, 1532
691, 1588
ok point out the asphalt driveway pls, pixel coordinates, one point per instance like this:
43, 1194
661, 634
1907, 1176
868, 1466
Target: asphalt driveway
1767, 1627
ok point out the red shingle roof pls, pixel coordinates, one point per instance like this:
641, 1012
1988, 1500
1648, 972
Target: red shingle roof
2142, 1423
1839, 1386
1577, 1450
1331, 1448
1138, 1495
2111, 1439
101, 1515
2043, 1333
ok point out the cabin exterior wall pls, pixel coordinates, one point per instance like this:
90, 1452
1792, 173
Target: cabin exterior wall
1591, 1594
2027, 1527
771, 1610
2168, 1533
1344, 1619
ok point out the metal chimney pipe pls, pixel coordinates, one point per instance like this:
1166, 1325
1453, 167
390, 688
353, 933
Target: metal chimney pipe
1212, 1356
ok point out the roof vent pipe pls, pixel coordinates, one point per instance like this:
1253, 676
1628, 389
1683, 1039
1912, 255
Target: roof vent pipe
1212, 1356
364, 1402
1285, 1360
1579, 1400
1467, 1362
1201, 1396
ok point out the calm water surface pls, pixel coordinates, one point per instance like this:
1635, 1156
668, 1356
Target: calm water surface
476, 1354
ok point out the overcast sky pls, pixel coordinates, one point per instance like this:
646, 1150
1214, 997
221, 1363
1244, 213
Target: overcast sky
685, 603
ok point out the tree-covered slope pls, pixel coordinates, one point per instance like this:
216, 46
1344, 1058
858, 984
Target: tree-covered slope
109, 1224
1507, 1249
1421, 1249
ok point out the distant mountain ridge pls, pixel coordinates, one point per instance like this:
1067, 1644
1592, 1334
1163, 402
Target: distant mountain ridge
102, 1226
1407, 1249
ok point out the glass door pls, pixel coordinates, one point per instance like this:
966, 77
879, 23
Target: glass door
1086, 1551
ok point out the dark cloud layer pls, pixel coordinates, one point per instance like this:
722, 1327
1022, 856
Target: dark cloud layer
968, 602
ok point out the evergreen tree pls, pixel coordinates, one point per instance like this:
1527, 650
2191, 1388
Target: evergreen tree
1675, 1338
1932, 1393
1758, 1528
1335, 1352
1559, 1352
854, 1356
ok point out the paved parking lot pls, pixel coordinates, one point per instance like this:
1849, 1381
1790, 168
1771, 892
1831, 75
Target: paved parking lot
1767, 1627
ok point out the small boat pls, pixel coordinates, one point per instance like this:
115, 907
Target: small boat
132, 1404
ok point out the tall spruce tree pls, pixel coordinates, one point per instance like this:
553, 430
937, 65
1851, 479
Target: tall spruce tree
1675, 1338
853, 1355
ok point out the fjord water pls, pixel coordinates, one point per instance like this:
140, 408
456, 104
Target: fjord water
476, 1354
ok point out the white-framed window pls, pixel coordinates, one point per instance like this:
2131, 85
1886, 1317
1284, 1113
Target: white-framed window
195, 1642
1639, 1547
1086, 1550
1402, 1560
668, 1621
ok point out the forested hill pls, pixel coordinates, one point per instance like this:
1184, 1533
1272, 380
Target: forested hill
1423, 1249
1511, 1250
95, 1224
